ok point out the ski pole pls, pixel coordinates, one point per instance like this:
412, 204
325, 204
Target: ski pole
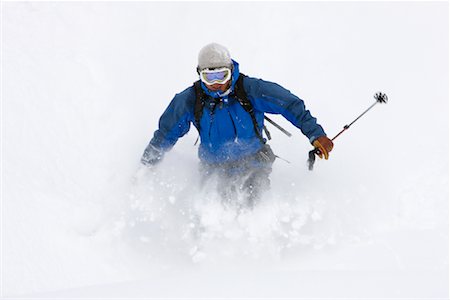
278, 126
380, 98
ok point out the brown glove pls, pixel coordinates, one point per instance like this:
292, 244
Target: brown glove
324, 145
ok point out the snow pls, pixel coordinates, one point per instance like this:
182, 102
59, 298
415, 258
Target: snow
83, 86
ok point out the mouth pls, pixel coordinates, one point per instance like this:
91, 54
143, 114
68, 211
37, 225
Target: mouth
214, 87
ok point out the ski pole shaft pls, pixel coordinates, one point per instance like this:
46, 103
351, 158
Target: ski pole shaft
278, 126
348, 126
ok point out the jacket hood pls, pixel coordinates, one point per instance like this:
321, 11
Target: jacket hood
234, 79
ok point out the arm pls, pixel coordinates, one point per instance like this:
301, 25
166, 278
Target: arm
272, 98
173, 124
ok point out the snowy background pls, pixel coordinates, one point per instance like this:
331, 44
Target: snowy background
84, 84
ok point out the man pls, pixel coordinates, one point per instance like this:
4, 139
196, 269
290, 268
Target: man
230, 127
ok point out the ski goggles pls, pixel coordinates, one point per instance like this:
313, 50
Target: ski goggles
220, 75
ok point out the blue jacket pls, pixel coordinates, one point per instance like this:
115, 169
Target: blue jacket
227, 133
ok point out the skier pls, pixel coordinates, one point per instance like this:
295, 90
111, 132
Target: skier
227, 108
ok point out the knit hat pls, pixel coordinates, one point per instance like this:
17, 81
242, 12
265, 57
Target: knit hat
214, 56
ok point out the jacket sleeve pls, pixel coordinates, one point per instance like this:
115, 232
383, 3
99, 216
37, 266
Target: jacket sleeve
272, 98
173, 124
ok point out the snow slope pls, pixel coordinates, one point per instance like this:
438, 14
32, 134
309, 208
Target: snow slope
83, 86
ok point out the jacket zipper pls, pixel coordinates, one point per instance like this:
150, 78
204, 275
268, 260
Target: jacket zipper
211, 118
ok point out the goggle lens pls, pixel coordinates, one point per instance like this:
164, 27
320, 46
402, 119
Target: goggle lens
220, 76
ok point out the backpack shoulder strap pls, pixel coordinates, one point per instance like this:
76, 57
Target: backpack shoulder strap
246, 104
242, 95
199, 103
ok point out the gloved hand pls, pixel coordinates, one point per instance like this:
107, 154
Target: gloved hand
151, 156
324, 145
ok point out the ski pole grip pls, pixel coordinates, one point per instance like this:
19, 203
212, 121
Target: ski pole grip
312, 158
